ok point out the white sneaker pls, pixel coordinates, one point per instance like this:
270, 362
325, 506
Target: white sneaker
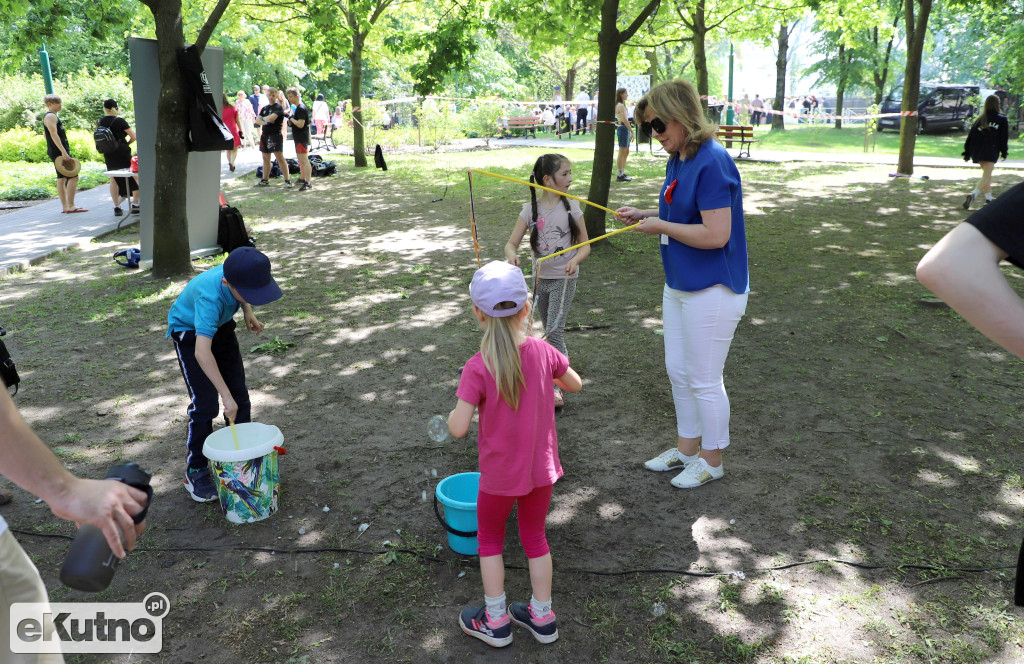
671, 459
696, 474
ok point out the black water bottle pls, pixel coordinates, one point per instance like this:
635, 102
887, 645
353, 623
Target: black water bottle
90, 563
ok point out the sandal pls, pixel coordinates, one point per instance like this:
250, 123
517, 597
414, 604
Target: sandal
77, 209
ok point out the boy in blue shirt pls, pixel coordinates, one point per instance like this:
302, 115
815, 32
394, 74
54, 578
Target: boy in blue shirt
201, 324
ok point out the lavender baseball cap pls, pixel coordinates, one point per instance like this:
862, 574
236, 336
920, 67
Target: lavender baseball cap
499, 289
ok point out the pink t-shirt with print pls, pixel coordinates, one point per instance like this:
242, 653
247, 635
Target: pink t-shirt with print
518, 449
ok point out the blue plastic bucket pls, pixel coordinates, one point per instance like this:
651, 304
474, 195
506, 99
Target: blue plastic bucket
458, 495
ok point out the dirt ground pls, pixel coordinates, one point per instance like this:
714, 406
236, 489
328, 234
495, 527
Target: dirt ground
869, 425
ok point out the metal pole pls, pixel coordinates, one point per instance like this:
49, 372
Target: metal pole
44, 61
729, 116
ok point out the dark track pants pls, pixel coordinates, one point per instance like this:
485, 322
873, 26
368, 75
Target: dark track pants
205, 402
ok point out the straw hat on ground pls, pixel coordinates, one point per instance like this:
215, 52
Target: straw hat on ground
76, 166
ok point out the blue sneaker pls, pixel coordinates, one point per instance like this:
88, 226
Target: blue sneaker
545, 631
199, 484
474, 621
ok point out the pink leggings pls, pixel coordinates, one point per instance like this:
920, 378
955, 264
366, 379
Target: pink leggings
492, 513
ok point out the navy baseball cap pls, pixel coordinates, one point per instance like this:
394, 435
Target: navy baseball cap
248, 271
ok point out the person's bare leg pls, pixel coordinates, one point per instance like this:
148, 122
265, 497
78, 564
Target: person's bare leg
985, 185
620, 161
283, 165
540, 577
71, 190
114, 195
963, 270
62, 193
266, 166
492, 572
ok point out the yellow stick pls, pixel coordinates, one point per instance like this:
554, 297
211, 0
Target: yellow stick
577, 246
234, 433
540, 186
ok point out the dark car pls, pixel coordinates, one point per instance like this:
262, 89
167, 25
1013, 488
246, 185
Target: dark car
938, 107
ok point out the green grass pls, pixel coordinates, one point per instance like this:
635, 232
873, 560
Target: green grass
850, 140
25, 181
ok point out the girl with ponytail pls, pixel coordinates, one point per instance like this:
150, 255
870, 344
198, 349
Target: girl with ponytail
554, 223
510, 383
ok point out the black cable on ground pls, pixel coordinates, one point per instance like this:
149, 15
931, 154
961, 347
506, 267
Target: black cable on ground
472, 559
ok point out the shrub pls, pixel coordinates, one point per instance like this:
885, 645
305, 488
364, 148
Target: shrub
483, 120
438, 124
82, 95
27, 145
27, 192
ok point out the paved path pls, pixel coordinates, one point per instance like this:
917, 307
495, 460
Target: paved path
29, 235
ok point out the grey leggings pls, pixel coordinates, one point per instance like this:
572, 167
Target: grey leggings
551, 308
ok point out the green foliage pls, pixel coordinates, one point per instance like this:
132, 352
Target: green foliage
82, 96
21, 144
24, 181
481, 120
27, 145
438, 124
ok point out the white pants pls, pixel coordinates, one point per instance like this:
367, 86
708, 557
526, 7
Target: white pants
699, 327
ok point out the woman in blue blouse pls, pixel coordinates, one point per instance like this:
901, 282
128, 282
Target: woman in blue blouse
699, 220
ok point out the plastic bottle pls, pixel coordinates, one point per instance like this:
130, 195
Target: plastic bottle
90, 563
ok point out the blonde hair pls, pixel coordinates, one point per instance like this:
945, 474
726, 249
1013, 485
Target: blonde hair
51, 99
678, 100
500, 351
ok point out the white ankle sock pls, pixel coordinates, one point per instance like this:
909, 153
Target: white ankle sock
540, 609
988, 196
495, 607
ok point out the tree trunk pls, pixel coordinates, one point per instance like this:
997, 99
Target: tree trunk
355, 58
171, 251
881, 73
604, 134
568, 92
841, 87
912, 82
779, 120
700, 57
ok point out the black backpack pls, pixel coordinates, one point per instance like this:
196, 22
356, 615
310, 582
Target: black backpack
231, 232
8, 373
105, 141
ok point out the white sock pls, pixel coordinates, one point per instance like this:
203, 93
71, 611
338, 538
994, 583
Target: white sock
495, 607
622, 172
540, 609
975, 193
988, 196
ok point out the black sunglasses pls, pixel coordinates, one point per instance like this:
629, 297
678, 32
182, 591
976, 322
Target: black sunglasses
657, 124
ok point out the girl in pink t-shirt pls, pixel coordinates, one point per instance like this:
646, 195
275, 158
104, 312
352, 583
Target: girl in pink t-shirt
554, 223
510, 382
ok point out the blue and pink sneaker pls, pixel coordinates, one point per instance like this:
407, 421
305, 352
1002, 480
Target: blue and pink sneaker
475, 622
544, 630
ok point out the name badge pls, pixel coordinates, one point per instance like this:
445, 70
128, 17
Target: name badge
664, 239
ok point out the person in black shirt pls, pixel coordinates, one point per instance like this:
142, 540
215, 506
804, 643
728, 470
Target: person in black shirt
57, 146
121, 158
299, 121
271, 119
986, 141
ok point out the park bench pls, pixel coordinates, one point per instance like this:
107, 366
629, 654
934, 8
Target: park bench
525, 124
324, 141
742, 133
